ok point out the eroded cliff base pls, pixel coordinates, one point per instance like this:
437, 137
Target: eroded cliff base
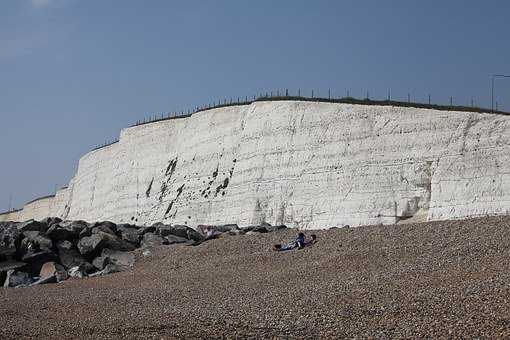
428, 280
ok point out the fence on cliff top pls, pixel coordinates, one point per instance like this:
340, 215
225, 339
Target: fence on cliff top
282, 95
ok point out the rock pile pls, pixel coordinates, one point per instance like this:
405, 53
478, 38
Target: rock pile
52, 250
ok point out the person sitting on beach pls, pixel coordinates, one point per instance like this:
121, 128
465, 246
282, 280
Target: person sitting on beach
298, 243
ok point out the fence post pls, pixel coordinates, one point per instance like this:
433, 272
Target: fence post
286, 92
409, 98
312, 93
429, 99
451, 101
329, 93
299, 92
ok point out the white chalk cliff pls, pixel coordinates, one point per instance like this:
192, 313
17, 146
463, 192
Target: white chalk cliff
302, 164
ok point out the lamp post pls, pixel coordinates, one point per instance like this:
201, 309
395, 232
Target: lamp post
493, 77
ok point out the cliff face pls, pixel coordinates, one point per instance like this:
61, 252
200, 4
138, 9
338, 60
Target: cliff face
303, 164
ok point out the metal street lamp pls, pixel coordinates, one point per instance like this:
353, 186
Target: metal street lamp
493, 77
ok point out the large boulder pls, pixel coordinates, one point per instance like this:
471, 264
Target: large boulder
151, 240
263, 228
105, 227
69, 255
172, 239
45, 280
129, 233
7, 253
218, 228
124, 226
100, 262
35, 260
66, 230
87, 231
147, 229
119, 258
178, 230
35, 240
131, 237
31, 225
17, 279
273, 228
49, 221
94, 244
50, 269
9, 265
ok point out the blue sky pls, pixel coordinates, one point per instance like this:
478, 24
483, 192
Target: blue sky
74, 72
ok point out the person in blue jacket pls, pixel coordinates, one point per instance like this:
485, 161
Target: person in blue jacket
298, 243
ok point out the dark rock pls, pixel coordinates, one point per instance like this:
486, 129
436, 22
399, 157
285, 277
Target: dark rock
164, 230
248, 228
237, 232
35, 240
66, 230
172, 239
45, 280
129, 233
131, 237
145, 230
124, 226
92, 245
260, 229
82, 270
87, 231
100, 262
31, 225
218, 228
50, 269
226, 227
69, 255
179, 230
151, 240
105, 227
16, 278
118, 258
7, 253
9, 265
49, 221
76, 272
35, 260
